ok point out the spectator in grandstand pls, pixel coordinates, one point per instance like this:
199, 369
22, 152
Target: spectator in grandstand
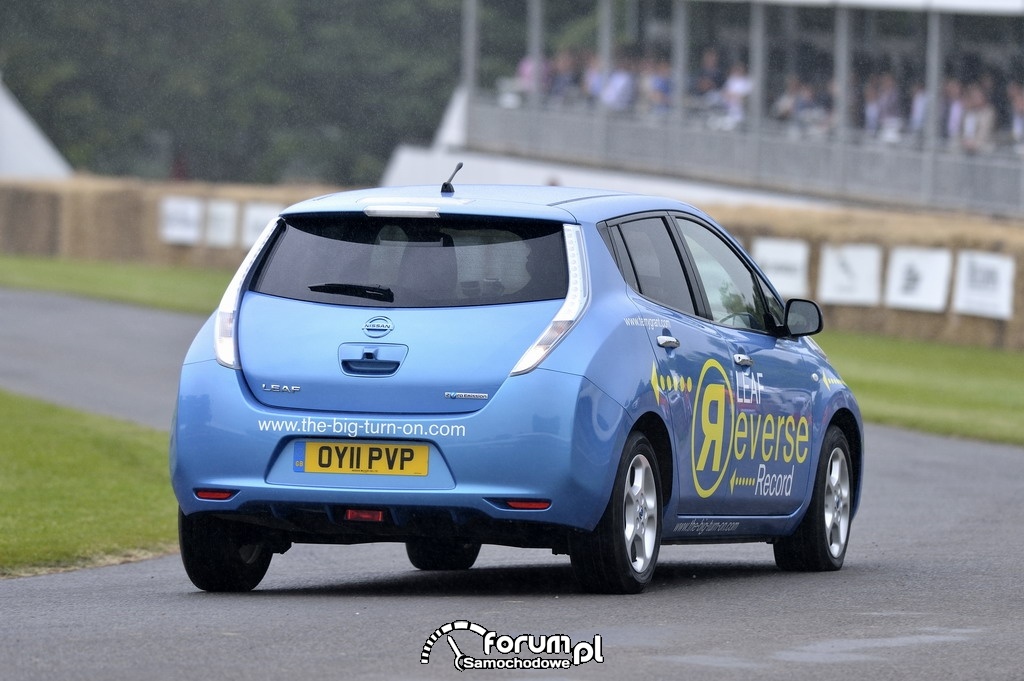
565, 79
804, 109
953, 115
735, 91
872, 107
656, 86
815, 108
709, 78
618, 92
918, 111
978, 122
785, 106
890, 109
593, 79
888, 97
996, 96
1015, 93
530, 76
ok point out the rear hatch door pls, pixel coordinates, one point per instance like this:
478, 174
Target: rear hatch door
325, 357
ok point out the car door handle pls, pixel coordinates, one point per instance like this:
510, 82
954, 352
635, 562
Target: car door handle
669, 342
743, 360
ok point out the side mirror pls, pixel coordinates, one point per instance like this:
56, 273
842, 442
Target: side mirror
803, 317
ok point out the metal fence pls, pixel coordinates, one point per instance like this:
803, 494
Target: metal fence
776, 158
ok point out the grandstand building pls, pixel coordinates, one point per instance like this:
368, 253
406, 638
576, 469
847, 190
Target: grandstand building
908, 102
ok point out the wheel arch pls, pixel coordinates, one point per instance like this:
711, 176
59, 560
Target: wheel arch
655, 430
845, 420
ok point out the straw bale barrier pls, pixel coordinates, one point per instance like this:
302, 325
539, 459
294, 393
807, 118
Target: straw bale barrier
206, 225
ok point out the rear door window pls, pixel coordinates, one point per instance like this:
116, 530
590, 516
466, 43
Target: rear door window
415, 262
654, 265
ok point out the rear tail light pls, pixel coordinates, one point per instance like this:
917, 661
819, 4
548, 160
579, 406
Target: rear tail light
576, 300
224, 342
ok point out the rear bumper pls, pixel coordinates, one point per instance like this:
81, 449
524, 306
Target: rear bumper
542, 436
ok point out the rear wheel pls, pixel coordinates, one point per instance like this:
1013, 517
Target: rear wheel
219, 555
619, 556
441, 554
819, 543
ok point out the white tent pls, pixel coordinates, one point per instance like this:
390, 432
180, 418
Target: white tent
25, 152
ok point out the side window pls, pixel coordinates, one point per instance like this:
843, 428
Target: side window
733, 291
658, 271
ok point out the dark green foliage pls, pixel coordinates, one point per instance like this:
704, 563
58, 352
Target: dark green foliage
234, 90
255, 90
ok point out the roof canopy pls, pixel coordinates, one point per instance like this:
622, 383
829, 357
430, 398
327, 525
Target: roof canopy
946, 6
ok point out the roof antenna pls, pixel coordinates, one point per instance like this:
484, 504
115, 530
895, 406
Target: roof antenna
448, 187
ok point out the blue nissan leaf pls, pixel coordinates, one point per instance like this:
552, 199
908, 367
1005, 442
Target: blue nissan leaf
594, 372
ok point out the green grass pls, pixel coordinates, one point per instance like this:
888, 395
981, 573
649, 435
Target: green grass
180, 289
77, 489
966, 392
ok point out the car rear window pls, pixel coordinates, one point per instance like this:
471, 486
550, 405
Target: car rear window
357, 260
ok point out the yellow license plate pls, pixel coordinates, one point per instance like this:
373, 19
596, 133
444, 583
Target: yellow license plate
361, 458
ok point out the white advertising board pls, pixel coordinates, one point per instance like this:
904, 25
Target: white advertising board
918, 278
850, 274
984, 284
181, 220
785, 263
222, 223
255, 217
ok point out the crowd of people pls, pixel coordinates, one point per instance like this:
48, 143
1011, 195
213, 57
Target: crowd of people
633, 85
975, 115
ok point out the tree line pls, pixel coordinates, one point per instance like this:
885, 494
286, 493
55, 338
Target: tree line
242, 90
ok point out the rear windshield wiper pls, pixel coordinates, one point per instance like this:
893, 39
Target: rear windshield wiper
382, 294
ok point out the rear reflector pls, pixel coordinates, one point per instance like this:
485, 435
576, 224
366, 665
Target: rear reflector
364, 516
528, 504
215, 494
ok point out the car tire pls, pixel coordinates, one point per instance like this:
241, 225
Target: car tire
620, 555
441, 554
819, 542
219, 555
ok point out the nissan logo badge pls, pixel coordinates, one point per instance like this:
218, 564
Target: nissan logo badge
378, 327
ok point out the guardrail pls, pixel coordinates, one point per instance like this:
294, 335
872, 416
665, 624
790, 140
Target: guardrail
775, 158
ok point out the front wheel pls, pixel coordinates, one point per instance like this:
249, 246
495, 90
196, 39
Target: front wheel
219, 555
619, 556
819, 543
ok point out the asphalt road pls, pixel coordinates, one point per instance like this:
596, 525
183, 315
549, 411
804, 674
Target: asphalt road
931, 587
116, 360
